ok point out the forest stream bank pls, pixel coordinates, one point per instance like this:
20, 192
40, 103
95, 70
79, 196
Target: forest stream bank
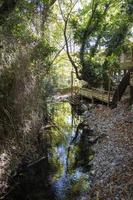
112, 165
88, 157
61, 173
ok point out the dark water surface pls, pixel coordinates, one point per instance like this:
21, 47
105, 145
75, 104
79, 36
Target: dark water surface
62, 173
68, 181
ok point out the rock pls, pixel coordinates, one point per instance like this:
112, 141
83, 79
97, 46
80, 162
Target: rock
92, 172
84, 107
86, 114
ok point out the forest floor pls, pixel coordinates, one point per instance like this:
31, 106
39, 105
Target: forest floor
112, 165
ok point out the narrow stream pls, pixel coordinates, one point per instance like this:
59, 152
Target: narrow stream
63, 174
68, 181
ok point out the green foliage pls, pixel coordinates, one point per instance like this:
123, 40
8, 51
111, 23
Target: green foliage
101, 26
42, 50
6, 80
26, 61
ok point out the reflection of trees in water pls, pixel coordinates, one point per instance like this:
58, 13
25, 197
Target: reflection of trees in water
62, 118
34, 180
82, 148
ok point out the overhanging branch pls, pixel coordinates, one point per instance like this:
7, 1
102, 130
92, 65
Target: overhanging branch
66, 39
94, 48
68, 53
89, 28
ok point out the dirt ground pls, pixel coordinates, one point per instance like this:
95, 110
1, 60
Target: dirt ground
112, 166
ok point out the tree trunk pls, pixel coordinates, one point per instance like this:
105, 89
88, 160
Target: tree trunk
131, 95
121, 88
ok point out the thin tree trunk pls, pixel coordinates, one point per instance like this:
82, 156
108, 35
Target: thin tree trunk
131, 95
121, 88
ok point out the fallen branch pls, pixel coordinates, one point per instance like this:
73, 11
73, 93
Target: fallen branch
12, 188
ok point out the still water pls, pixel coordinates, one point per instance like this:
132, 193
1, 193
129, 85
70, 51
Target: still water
69, 182
63, 172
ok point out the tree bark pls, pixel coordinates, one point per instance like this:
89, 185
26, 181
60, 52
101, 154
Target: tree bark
131, 95
121, 88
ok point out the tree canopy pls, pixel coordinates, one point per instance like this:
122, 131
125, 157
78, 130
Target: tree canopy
100, 30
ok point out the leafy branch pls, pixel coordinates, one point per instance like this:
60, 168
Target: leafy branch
66, 38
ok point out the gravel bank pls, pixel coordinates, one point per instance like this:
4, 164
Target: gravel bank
112, 166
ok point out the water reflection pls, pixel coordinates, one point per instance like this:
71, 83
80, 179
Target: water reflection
68, 182
60, 173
